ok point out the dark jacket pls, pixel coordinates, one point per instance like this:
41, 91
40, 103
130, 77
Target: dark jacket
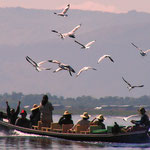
144, 121
65, 120
23, 122
35, 116
12, 117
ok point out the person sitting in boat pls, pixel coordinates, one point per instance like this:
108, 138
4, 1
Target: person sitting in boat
99, 121
144, 121
141, 124
83, 122
1, 116
35, 115
12, 114
23, 121
66, 118
46, 109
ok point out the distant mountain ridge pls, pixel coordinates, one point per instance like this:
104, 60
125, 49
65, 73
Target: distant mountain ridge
27, 24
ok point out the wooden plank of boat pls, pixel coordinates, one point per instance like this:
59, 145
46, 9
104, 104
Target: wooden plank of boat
129, 137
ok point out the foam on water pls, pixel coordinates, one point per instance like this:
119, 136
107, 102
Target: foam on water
19, 133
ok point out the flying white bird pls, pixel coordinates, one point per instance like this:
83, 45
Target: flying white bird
126, 118
84, 69
63, 13
88, 45
97, 108
71, 34
105, 56
143, 53
27, 106
37, 66
63, 67
130, 87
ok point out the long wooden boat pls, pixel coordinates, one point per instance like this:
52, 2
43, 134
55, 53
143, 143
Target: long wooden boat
129, 137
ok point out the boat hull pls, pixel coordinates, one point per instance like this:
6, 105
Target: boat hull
132, 137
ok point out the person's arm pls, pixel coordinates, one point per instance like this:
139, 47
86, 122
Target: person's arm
144, 120
51, 107
92, 122
78, 123
7, 109
136, 122
60, 120
18, 108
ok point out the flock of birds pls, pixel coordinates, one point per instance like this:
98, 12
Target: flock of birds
67, 67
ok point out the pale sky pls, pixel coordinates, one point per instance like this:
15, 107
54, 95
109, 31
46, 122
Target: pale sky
116, 6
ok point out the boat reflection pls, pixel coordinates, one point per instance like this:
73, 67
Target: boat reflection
33, 142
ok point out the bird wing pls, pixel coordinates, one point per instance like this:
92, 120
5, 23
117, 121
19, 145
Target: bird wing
89, 44
131, 116
54, 31
59, 69
76, 28
67, 67
110, 58
71, 69
42, 62
126, 82
54, 61
31, 61
93, 68
147, 51
70, 73
138, 86
81, 70
79, 43
101, 58
125, 118
66, 9
136, 47
60, 34
85, 69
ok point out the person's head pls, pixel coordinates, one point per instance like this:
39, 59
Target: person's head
12, 111
85, 116
67, 115
142, 110
100, 118
23, 113
44, 100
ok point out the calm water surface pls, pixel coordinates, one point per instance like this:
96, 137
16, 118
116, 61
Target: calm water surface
21, 141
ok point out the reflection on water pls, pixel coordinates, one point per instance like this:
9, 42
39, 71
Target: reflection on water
32, 143
38, 143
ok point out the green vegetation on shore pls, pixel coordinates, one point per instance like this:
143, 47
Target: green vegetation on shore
109, 105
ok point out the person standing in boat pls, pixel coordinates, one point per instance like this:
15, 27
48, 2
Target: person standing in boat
35, 115
12, 114
46, 109
99, 122
66, 118
144, 121
23, 121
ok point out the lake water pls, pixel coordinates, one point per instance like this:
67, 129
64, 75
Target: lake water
21, 141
